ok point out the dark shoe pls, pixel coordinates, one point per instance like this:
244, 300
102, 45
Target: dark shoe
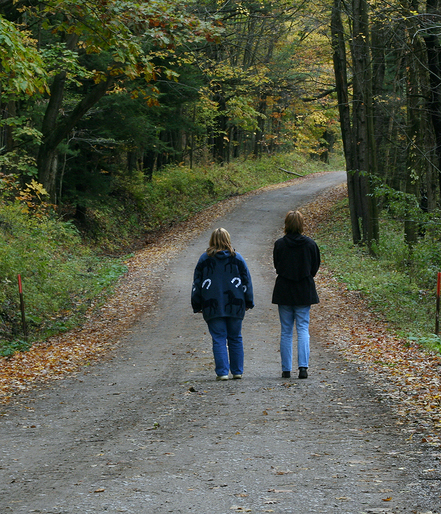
303, 373
286, 374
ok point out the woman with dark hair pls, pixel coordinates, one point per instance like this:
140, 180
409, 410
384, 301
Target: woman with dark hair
297, 260
222, 291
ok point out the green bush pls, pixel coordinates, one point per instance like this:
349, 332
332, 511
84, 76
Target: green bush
399, 282
60, 275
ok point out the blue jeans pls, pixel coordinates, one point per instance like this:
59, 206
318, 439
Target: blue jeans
227, 331
289, 314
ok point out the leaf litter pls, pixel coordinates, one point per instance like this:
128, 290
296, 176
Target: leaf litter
408, 375
402, 371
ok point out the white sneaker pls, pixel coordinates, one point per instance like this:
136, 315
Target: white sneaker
237, 377
222, 377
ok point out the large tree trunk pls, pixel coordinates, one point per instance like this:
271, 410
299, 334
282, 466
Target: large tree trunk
363, 126
433, 48
47, 154
341, 79
55, 130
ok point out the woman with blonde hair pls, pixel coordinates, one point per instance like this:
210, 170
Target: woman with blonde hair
297, 260
222, 291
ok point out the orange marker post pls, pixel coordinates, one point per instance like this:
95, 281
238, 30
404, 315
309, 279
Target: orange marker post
22, 308
438, 288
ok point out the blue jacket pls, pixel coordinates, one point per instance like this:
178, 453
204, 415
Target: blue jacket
222, 286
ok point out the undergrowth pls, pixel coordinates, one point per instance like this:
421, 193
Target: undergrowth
399, 283
61, 277
67, 269
137, 206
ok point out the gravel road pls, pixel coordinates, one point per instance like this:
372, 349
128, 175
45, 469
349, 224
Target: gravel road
149, 430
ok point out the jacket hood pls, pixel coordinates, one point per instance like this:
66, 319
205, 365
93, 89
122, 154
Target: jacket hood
295, 240
223, 254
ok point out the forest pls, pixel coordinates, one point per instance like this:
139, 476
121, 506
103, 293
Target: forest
111, 108
91, 90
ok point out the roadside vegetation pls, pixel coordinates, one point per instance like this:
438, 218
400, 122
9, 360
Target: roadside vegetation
69, 266
399, 281
136, 206
62, 277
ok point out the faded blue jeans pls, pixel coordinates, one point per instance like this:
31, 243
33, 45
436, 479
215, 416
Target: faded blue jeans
226, 334
289, 314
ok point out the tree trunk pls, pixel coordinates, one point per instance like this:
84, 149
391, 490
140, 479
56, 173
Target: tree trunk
341, 80
55, 130
378, 74
260, 132
363, 126
414, 115
219, 140
433, 49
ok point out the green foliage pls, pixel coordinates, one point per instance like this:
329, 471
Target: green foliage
57, 56
21, 66
20, 159
399, 283
430, 341
155, 83
399, 204
8, 349
23, 75
137, 205
61, 277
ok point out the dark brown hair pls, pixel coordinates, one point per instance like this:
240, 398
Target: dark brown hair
294, 222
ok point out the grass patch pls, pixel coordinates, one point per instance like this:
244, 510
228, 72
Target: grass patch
61, 276
175, 193
399, 283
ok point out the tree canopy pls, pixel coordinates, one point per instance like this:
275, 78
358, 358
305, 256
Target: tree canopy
142, 84
89, 90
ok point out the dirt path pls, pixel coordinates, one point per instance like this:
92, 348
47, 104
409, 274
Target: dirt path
149, 430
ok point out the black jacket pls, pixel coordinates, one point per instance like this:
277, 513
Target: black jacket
297, 260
